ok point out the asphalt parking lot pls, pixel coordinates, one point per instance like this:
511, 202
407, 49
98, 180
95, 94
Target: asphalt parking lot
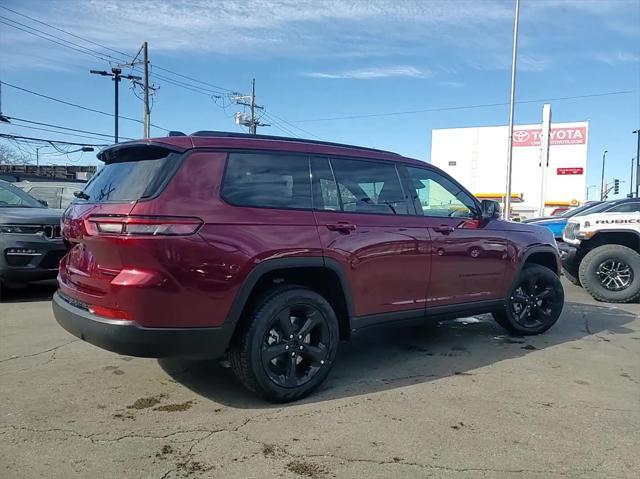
452, 399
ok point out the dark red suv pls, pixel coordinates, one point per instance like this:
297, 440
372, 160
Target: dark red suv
271, 250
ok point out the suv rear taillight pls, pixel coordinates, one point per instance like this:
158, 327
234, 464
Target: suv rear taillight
131, 225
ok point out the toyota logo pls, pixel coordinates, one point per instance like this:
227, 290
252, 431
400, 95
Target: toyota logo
520, 136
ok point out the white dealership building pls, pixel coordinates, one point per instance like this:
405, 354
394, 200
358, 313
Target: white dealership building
477, 157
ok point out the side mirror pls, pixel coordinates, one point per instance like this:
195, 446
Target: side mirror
43, 203
490, 209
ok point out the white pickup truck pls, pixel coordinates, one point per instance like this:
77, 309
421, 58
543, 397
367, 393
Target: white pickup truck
602, 253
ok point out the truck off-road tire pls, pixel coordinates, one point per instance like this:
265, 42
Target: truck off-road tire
611, 273
288, 346
572, 276
534, 303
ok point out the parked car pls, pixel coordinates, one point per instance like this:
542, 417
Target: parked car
57, 194
271, 250
557, 223
30, 241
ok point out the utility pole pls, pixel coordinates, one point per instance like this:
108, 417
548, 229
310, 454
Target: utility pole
147, 111
514, 56
637, 132
603, 187
116, 75
249, 101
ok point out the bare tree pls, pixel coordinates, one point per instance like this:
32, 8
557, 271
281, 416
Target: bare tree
10, 156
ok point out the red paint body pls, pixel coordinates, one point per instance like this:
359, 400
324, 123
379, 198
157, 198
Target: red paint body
391, 263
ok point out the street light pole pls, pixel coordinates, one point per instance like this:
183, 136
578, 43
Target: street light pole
602, 185
116, 75
514, 55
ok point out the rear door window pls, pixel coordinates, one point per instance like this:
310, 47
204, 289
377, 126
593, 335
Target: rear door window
369, 187
267, 180
132, 178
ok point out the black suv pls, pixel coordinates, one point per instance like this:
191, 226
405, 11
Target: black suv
30, 242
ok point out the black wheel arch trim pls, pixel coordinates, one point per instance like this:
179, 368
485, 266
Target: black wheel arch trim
605, 231
538, 249
267, 266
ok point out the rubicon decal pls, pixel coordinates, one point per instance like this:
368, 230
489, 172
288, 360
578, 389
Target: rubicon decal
611, 222
559, 136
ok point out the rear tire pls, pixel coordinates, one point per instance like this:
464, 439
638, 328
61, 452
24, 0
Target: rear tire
534, 303
288, 346
611, 273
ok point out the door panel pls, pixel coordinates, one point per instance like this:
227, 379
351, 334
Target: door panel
385, 261
468, 257
468, 262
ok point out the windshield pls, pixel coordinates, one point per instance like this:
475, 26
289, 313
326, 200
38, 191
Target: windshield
599, 208
12, 197
579, 210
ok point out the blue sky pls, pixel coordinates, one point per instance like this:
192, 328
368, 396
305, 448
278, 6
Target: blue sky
314, 60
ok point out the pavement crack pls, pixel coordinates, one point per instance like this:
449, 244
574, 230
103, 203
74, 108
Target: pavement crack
40, 352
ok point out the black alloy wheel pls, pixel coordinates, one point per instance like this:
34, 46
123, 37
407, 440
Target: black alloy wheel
534, 303
288, 345
534, 300
295, 346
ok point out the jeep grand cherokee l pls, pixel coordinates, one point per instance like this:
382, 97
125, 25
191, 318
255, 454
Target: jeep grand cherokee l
30, 241
271, 250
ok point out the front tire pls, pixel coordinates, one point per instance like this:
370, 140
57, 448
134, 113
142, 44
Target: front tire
289, 345
572, 276
534, 303
611, 273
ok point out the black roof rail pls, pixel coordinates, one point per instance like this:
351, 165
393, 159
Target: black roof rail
231, 134
176, 133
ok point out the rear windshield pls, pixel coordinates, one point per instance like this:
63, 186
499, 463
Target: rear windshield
129, 180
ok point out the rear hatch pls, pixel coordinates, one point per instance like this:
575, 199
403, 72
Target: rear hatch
97, 226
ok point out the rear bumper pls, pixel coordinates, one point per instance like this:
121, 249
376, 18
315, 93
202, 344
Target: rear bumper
130, 339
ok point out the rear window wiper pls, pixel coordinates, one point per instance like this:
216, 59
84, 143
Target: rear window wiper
81, 194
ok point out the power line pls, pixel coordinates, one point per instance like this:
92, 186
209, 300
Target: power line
62, 127
64, 102
67, 44
468, 107
272, 115
64, 31
111, 49
110, 58
59, 132
45, 140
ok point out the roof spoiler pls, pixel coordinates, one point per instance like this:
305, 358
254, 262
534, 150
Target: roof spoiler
134, 151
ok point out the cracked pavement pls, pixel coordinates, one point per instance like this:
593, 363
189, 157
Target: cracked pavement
455, 399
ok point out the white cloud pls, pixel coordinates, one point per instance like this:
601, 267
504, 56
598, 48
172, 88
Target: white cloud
611, 58
398, 71
528, 63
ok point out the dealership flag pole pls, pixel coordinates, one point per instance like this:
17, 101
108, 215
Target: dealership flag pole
507, 197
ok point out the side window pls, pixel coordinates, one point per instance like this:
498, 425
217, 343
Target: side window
369, 187
47, 193
325, 191
633, 207
436, 195
267, 180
